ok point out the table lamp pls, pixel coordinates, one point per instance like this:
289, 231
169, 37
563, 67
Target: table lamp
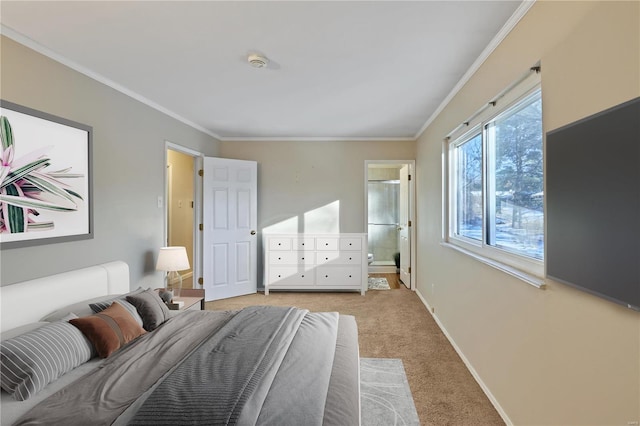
172, 260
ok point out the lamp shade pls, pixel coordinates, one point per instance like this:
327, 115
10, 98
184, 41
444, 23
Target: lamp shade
172, 259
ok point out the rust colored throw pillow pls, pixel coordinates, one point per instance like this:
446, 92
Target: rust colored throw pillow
110, 329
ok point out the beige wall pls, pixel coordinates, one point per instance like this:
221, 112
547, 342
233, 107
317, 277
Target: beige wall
128, 167
297, 178
313, 186
556, 356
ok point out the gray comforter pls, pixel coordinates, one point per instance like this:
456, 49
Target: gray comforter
261, 365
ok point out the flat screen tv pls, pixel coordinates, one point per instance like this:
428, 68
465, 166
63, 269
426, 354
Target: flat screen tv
593, 204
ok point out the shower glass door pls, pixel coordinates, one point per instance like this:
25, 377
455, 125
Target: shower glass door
383, 220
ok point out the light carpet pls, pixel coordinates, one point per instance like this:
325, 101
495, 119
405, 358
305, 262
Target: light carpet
378, 284
385, 396
396, 324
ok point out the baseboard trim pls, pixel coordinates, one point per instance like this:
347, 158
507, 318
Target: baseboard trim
472, 370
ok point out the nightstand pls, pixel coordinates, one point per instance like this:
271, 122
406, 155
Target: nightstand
193, 299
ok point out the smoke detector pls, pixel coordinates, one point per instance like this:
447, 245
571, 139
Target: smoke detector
258, 61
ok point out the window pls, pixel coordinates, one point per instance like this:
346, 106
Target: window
495, 180
468, 200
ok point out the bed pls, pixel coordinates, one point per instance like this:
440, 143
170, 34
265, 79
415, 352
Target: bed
258, 366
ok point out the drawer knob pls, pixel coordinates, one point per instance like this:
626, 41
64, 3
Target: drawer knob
279, 258
279, 276
350, 258
326, 276
303, 258
349, 276
302, 275
326, 258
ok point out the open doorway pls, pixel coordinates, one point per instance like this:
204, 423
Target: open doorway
389, 211
182, 207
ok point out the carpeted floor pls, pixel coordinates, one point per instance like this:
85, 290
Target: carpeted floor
395, 324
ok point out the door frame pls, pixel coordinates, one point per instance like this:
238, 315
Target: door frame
412, 208
197, 205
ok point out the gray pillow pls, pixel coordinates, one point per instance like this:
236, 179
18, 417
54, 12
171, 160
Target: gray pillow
99, 306
32, 360
81, 309
151, 308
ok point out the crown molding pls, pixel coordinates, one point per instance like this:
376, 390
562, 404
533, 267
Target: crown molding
495, 42
32, 44
315, 139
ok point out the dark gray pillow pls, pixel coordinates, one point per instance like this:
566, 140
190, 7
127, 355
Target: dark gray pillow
151, 308
32, 360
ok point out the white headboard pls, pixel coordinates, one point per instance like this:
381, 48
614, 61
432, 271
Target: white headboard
29, 301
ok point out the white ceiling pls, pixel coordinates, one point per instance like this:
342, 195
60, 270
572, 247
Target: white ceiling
339, 70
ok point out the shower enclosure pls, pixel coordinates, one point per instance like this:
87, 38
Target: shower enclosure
384, 197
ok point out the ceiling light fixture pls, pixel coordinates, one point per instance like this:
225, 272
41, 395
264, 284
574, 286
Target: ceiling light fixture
258, 61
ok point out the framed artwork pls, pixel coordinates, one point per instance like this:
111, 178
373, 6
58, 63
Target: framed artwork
45, 178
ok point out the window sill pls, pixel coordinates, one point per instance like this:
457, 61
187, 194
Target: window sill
530, 279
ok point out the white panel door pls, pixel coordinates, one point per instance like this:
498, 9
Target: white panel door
404, 231
229, 235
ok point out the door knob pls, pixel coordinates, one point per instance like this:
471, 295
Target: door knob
253, 232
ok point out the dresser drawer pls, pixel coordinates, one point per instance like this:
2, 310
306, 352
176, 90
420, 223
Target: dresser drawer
351, 244
324, 243
291, 258
339, 276
277, 243
290, 276
338, 258
304, 243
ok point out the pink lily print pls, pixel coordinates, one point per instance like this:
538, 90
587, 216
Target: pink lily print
27, 187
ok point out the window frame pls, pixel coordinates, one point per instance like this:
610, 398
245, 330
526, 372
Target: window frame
529, 269
466, 137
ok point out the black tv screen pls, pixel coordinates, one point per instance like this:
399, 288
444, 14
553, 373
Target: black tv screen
593, 204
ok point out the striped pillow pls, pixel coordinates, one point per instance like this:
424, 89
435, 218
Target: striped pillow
32, 360
101, 305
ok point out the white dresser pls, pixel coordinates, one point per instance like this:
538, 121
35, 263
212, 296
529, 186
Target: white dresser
320, 262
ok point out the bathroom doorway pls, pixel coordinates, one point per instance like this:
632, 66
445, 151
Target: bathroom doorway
389, 212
